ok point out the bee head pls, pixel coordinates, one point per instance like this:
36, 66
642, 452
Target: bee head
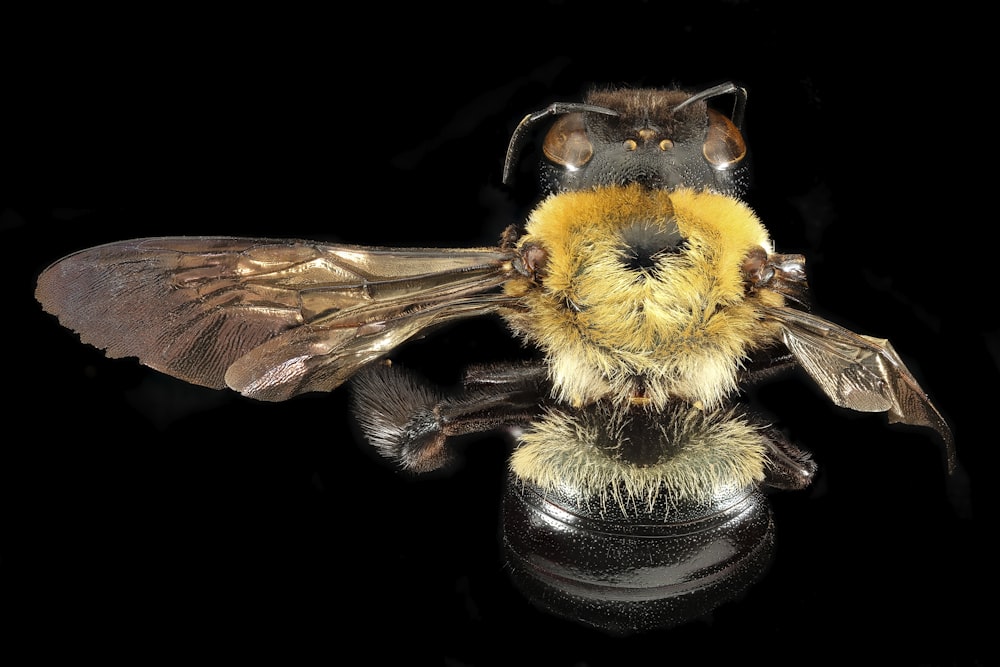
660, 139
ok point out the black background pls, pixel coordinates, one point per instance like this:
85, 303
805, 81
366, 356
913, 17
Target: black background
143, 515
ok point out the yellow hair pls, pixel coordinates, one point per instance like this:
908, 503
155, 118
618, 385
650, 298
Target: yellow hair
700, 453
678, 328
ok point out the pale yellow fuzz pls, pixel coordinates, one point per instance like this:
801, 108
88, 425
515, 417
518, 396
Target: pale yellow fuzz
702, 453
676, 330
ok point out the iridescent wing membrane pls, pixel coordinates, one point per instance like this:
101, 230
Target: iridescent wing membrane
268, 318
859, 372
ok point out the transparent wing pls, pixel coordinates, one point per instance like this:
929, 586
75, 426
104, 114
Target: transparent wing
268, 318
859, 372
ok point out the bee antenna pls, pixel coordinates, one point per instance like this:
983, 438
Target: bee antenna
556, 108
739, 105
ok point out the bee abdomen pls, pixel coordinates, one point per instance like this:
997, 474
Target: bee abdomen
625, 569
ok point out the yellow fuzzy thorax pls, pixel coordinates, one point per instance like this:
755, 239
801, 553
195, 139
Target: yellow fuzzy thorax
677, 325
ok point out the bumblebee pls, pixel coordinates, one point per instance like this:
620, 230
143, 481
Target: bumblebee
651, 294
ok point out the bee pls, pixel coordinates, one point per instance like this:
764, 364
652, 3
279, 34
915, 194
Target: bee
650, 295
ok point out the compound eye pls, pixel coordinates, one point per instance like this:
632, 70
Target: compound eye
724, 145
567, 143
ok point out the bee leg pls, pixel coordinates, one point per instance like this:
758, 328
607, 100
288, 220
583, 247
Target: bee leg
788, 467
767, 364
527, 375
410, 421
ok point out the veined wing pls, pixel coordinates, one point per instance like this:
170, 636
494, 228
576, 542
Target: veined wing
859, 372
268, 318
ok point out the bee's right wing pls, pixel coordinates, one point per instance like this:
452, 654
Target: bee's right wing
268, 318
860, 372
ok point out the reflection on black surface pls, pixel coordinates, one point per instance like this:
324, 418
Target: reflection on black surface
624, 569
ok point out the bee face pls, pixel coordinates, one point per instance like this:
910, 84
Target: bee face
662, 139
641, 294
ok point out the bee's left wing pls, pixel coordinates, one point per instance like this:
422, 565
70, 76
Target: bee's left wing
268, 318
859, 372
